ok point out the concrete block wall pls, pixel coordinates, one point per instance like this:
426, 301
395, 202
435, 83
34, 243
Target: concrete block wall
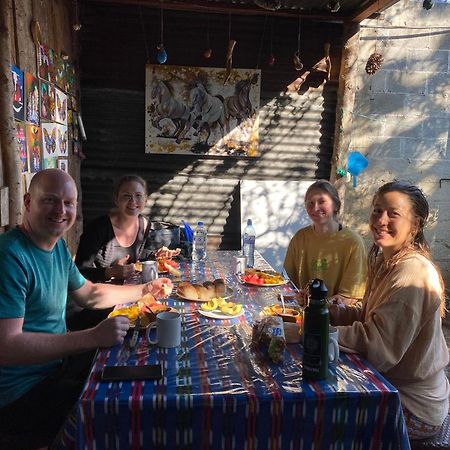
401, 116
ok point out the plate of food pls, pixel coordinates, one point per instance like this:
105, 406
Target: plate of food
204, 292
219, 308
146, 312
263, 278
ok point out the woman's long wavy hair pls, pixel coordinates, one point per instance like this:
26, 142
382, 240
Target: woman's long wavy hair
420, 245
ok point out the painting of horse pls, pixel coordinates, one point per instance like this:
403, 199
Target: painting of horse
189, 110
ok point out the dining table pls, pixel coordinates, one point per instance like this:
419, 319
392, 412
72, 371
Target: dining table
220, 392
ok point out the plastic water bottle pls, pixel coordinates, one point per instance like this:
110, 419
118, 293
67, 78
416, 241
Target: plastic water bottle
200, 242
248, 243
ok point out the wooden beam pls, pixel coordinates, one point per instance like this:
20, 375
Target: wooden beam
11, 165
221, 8
373, 7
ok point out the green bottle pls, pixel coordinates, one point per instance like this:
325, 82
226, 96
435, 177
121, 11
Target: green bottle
316, 324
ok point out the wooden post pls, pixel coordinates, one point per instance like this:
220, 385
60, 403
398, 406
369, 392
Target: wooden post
11, 166
345, 103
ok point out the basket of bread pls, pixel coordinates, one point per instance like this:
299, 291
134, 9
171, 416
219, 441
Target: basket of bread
202, 292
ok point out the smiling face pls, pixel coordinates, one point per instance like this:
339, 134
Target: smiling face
131, 198
50, 207
393, 222
320, 207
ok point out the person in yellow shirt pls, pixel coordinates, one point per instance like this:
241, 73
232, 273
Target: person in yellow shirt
327, 250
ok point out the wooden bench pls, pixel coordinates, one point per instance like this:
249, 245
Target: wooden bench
440, 440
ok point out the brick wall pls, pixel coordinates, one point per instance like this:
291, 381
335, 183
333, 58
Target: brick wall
401, 116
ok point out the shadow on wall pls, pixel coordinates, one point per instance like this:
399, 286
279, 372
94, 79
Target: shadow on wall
277, 210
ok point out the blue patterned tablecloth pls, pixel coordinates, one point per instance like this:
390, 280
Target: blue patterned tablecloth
217, 393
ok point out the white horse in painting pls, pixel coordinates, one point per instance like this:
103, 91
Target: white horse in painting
168, 107
206, 113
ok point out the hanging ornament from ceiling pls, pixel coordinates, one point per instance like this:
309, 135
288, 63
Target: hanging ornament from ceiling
427, 4
324, 65
208, 51
375, 60
77, 24
271, 5
298, 65
161, 55
271, 60
334, 6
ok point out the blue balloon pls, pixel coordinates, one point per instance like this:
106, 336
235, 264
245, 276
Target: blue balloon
161, 56
356, 163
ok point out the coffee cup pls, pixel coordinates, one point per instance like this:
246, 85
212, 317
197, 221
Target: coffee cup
168, 330
333, 348
149, 271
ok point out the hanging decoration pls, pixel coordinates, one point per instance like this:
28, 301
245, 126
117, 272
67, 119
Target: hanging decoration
161, 56
229, 60
208, 51
375, 60
334, 6
298, 65
427, 4
271, 60
77, 24
324, 65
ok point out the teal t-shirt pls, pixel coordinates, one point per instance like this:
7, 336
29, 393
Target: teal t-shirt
34, 284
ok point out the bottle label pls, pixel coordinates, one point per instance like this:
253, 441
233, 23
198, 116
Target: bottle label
312, 352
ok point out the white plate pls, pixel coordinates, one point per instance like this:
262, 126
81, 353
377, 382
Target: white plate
219, 315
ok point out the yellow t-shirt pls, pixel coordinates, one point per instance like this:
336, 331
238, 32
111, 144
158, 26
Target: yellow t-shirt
339, 259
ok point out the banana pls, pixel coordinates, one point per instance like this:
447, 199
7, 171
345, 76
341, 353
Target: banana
211, 305
231, 308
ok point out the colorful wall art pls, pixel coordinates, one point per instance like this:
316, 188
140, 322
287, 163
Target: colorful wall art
32, 99
22, 145
189, 110
34, 149
18, 93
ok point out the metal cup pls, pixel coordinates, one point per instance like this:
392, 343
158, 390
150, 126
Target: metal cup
240, 263
149, 271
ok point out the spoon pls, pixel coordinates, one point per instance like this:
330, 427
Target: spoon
282, 302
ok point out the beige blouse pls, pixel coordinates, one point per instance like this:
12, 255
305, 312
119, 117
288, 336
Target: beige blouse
398, 330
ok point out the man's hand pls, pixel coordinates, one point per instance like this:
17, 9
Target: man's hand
159, 288
120, 270
111, 331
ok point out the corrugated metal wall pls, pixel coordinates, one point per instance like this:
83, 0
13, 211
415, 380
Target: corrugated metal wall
296, 130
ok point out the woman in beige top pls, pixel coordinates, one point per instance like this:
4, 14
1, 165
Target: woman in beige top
398, 328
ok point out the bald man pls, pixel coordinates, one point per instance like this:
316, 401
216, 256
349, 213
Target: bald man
37, 274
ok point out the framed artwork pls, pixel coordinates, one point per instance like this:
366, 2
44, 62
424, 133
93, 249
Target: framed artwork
62, 140
34, 147
47, 101
50, 139
60, 72
191, 110
18, 93
63, 164
61, 107
50, 162
22, 145
71, 79
76, 147
46, 63
32, 99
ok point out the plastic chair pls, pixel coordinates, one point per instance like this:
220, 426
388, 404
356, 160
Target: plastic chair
440, 440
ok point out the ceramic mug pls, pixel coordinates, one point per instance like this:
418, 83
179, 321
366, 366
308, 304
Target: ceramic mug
168, 330
333, 348
149, 271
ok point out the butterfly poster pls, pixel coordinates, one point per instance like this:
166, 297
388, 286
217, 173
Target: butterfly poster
34, 147
47, 101
50, 139
32, 99
18, 93
46, 63
62, 140
61, 107
22, 145
60, 72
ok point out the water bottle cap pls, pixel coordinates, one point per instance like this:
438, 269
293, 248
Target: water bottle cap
249, 221
317, 289
200, 223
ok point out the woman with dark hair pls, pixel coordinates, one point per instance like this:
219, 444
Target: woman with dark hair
326, 249
111, 244
398, 328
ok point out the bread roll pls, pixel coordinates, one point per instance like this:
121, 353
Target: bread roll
202, 292
209, 285
186, 290
220, 287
